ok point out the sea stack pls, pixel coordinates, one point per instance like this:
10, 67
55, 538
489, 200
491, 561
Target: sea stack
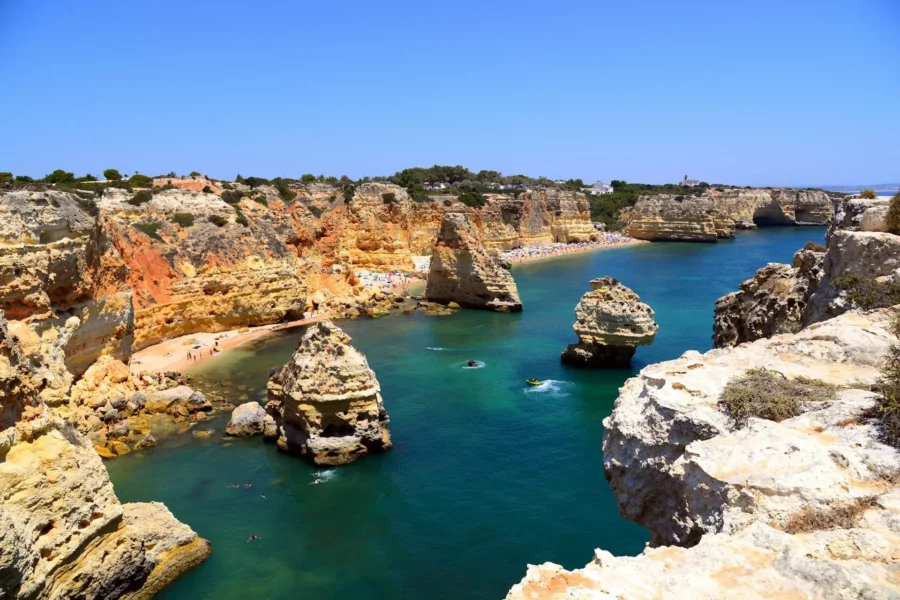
465, 272
611, 321
327, 402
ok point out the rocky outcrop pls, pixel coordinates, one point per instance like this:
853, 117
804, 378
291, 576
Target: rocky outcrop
534, 218
205, 277
63, 533
463, 271
749, 512
327, 402
772, 302
610, 321
858, 214
247, 419
715, 214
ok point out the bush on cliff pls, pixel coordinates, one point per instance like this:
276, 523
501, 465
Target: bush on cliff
315, 210
868, 194
770, 395
149, 229
141, 181
389, 197
867, 293
141, 197
60, 176
241, 219
227, 186
6, 177
232, 196
207, 189
893, 215
814, 246
112, 175
474, 199
284, 191
887, 408
183, 219
217, 220
261, 200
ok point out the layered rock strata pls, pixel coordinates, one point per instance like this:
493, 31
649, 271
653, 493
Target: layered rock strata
713, 215
535, 218
750, 512
463, 271
610, 321
327, 402
63, 532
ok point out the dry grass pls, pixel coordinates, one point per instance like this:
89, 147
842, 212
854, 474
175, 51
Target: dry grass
839, 516
770, 395
848, 422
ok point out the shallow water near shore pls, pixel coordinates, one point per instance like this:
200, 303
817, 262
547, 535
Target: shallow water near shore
487, 474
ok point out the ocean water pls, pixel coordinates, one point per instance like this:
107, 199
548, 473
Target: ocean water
486, 476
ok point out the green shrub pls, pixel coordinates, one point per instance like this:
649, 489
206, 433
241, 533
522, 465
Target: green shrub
868, 194
232, 196
196, 174
241, 219
284, 191
348, 192
5, 177
217, 220
315, 210
261, 200
308, 178
770, 395
887, 407
112, 175
389, 197
227, 186
183, 219
60, 176
474, 199
24, 179
141, 197
421, 198
255, 181
207, 189
88, 205
142, 181
867, 293
156, 189
893, 215
149, 229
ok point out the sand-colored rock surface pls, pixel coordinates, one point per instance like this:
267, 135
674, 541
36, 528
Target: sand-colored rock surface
465, 272
327, 402
63, 532
247, 419
610, 321
715, 214
719, 500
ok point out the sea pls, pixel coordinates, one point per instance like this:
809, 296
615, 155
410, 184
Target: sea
487, 474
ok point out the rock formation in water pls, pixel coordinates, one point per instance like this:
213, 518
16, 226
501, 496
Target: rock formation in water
247, 419
715, 214
610, 321
63, 532
772, 302
463, 271
805, 507
327, 402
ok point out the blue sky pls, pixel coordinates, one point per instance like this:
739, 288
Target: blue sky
753, 93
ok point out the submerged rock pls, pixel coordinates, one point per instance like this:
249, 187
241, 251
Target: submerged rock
463, 271
611, 321
327, 401
247, 419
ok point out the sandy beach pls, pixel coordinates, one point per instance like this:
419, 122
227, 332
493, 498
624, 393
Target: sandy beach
187, 351
534, 253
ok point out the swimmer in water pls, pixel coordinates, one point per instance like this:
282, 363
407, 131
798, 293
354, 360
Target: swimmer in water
234, 485
263, 496
253, 537
315, 482
248, 485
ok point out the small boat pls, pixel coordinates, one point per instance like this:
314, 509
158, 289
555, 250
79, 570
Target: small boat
534, 382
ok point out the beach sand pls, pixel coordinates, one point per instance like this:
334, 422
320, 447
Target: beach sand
570, 249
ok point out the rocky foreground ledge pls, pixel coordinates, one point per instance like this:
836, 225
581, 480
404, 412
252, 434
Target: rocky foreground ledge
808, 507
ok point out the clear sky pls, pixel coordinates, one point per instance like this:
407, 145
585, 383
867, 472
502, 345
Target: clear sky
786, 92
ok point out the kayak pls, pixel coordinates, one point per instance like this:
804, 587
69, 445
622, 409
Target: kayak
534, 382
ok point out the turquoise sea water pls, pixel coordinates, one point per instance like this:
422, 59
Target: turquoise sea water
486, 474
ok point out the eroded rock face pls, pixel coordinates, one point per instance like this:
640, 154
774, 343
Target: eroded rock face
535, 218
611, 321
714, 215
772, 302
327, 402
718, 499
463, 271
63, 532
